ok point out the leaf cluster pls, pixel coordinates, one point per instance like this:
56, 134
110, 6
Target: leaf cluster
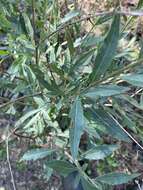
66, 88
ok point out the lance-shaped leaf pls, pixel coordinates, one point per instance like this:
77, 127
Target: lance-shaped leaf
134, 79
28, 26
116, 178
69, 39
62, 167
83, 59
36, 154
78, 122
88, 186
69, 16
105, 91
53, 88
140, 4
100, 152
107, 51
104, 19
112, 127
27, 116
4, 23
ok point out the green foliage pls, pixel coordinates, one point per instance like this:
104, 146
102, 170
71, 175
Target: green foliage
69, 16
35, 154
134, 79
78, 122
116, 178
99, 152
87, 185
107, 51
62, 167
2, 153
74, 91
105, 91
112, 127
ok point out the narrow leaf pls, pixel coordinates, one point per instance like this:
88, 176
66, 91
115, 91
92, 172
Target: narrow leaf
112, 127
88, 41
100, 152
28, 26
132, 101
116, 178
140, 4
62, 167
27, 116
3, 52
105, 91
134, 79
104, 19
69, 16
83, 59
53, 88
7, 84
107, 51
70, 40
87, 185
36, 154
4, 23
78, 122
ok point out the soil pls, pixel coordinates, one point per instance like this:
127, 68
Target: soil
30, 175
27, 175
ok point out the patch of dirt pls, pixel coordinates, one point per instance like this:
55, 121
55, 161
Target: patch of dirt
27, 175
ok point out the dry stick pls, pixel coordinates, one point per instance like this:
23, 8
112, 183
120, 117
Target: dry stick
23, 136
139, 186
61, 27
19, 99
11, 132
34, 29
130, 19
137, 92
90, 16
9, 164
129, 135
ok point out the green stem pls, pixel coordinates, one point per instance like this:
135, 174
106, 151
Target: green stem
86, 177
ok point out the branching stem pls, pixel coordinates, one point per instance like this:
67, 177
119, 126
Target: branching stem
91, 16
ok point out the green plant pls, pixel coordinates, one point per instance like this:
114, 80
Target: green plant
66, 89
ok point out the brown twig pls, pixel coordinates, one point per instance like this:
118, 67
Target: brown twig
19, 99
129, 135
23, 136
34, 30
91, 16
86, 17
9, 164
